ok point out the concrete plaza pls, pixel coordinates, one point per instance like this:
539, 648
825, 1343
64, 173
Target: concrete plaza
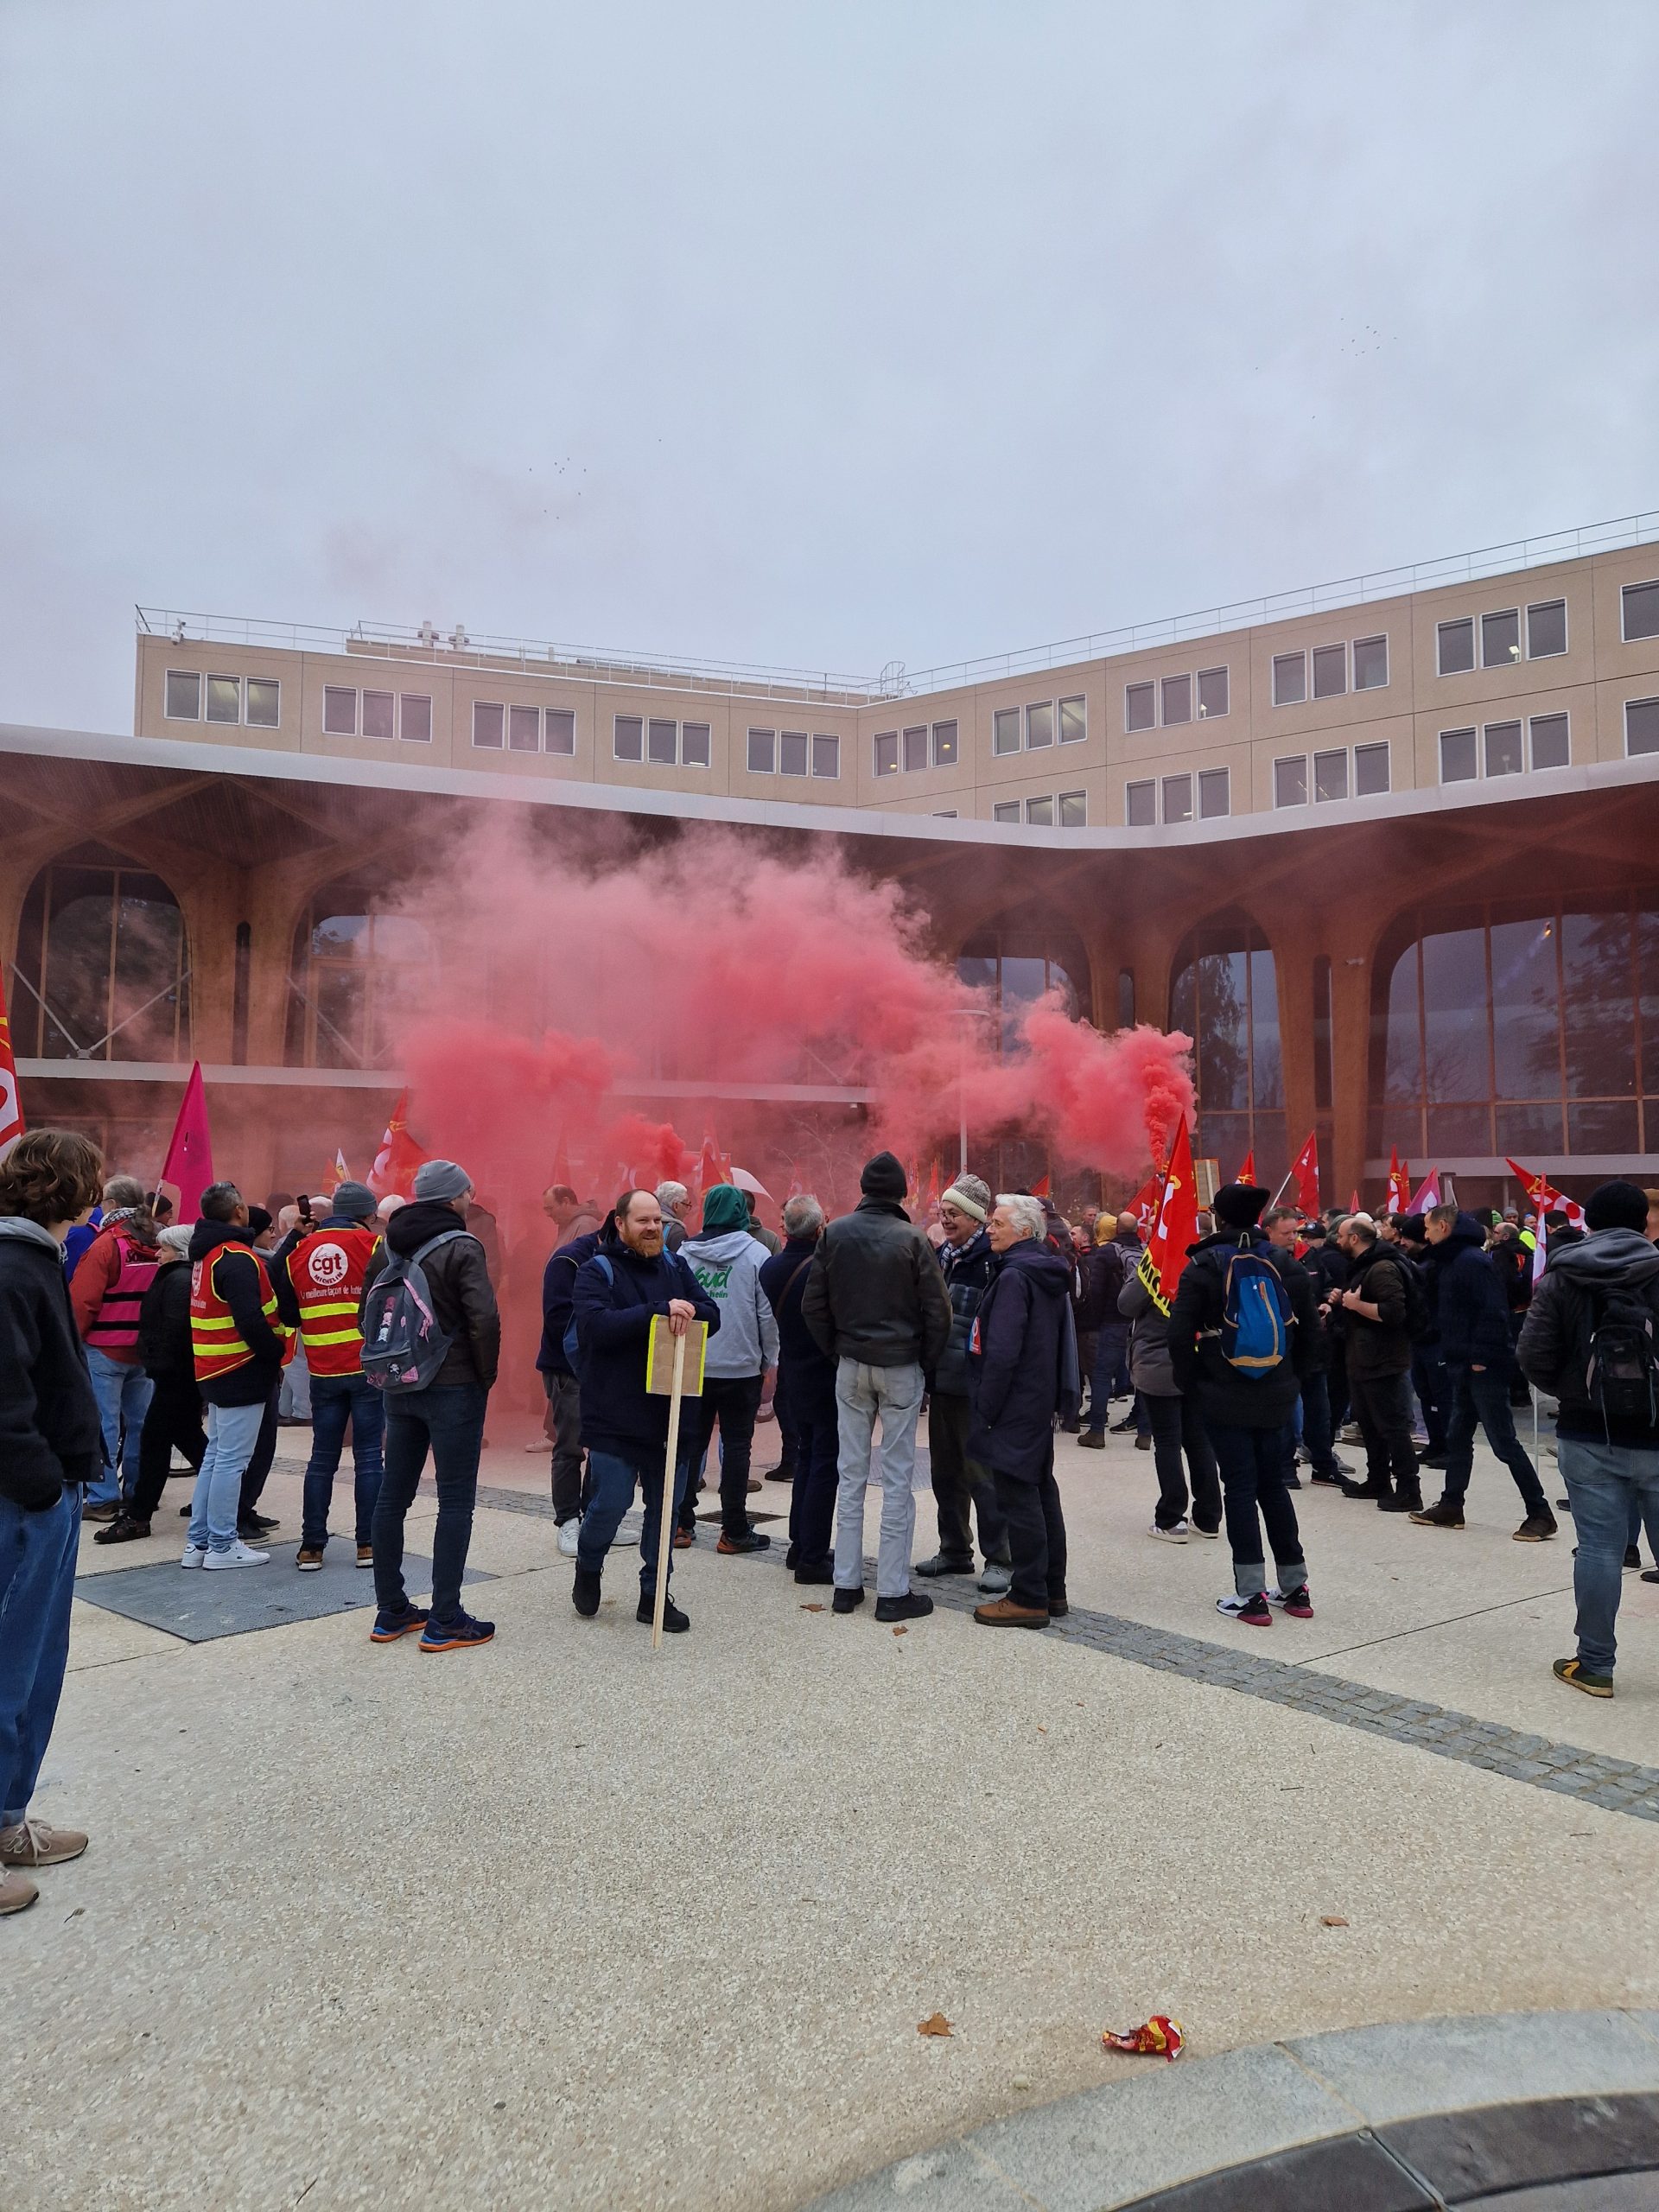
562, 1924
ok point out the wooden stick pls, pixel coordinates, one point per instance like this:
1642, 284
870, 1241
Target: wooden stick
671, 1459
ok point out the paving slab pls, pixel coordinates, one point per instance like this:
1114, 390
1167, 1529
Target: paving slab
197, 1606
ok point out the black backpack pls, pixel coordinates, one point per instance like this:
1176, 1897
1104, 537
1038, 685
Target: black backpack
1622, 1373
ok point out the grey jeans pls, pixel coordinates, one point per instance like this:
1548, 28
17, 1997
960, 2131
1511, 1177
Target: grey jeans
862, 1394
564, 1420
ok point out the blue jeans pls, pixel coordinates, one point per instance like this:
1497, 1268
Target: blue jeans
862, 1393
336, 1399
1111, 1375
447, 1418
37, 1584
1603, 1482
1484, 1397
611, 1479
232, 1431
1252, 1463
123, 1392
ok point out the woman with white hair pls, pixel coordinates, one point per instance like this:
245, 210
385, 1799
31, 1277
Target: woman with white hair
1023, 1364
173, 1417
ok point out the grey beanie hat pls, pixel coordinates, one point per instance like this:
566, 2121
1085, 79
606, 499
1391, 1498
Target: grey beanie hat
441, 1178
356, 1199
969, 1195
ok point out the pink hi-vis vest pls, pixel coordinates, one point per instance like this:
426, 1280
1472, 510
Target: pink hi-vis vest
115, 1328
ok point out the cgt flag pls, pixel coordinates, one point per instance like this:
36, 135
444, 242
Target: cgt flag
1247, 1172
1543, 1193
1426, 1194
393, 1172
1305, 1174
1399, 1183
188, 1167
11, 1110
1174, 1227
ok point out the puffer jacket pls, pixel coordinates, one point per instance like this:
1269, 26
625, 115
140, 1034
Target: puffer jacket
1150, 1369
966, 1270
458, 1277
875, 1293
1023, 1361
727, 1269
1566, 1306
164, 1345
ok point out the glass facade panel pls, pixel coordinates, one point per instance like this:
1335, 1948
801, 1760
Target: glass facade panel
1455, 642
1459, 759
1178, 699
629, 740
886, 753
183, 695
1022, 958
1371, 663
102, 951
1224, 996
1139, 707
1330, 672
1500, 639
915, 748
1641, 605
1546, 628
1504, 748
1212, 692
1612, 1125
1642, 725
1074, 721
1005, 730
1040, 725
791, 753
1456, 1055
1214, 794
1551, 746
1141, 806
1525, 1009
1598, 993
694, 742
663, 743
944, 743
380, 713
264, 703
1330, 775
1177, 799
1290, 782
1289, 679
560, 726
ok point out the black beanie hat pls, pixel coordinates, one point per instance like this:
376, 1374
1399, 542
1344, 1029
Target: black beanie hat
1240, 1205
883, 1178
1618, 1205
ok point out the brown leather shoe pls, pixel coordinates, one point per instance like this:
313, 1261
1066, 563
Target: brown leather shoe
17, 1893
33, 1843
1002, 1613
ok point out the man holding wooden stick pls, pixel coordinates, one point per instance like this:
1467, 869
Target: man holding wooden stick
628, 1281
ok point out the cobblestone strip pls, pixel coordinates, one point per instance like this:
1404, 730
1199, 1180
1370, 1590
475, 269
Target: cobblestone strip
516, 1501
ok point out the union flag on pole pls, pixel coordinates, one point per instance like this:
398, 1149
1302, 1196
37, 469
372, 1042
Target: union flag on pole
1305, 1173
334, 1176
1399, 1182
1247, 1172
188, 1167
1175, 1226
393, 1172
1426, 1194
11, 1111
713, 1167
1543, 1193
1042, 1188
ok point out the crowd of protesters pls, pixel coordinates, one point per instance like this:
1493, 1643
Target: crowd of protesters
126, 1339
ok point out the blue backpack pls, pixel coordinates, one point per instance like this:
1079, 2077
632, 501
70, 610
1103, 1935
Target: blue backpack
572, 1341
1255, 1316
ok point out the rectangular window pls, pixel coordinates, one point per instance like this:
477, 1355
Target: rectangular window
1074, 809
916, 747
944, 744
1550, 745
488, 723
662, 743
1215, 797
886, 753
1642, 725
1005, 730
1456, 644
763, 752
1330, 672
1458, 756
1289, 679
264, 701
1006, 810
1546, 628
826, 756
1504, 749
792, 752
1641, 611
628, 737
1500, 639
561, 729
1178, 699
380, 714
1371, 663
338, 711
1074, 721
1040, 725
1139, 707
1370, 771
693, 744
1039, 813
224, 698
1177, 799
945, 814
1141, 806
183, 695
1330, 775
415, 718
1212, 692
1290, 781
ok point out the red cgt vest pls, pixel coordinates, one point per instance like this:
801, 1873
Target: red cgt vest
215, 1340
115, 1327
326, 1270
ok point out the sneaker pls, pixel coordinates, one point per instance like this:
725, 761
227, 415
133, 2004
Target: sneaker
995, 1582
627, 1530
194, 1555
584, 1593
913, 1606
1350, 1433
940, 1564
1325, 1482
569, 1537
674, 1622
743, 1540
1570, 1672
462, 1634
1198, 1529
308, 1558
122, 1530
1539, 1527
1252, 1611
17, 1893
819, 1577
1005, 1613
847, 1601
239, 1554
1178, 1534
1444, 1515
36, 1843
388, 1627
1651, 1574
1093, 1439
253, 1526
1297, 1603
365, 1555
1123, 1427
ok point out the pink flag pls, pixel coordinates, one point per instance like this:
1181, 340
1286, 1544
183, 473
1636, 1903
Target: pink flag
11, 1111
189, 1166
1427, 1192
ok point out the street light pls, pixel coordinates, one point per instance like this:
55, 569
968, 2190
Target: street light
967, 1013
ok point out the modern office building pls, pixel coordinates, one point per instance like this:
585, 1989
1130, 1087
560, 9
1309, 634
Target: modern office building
1389, 848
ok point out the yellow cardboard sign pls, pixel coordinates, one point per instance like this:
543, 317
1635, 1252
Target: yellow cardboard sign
660, 1358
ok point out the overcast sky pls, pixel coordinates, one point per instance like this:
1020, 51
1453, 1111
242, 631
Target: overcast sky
819, 336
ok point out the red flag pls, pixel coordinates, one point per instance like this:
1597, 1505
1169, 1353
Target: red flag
334, 1176
1306, 1170
1354, 1206
1426, 1194
1543, 1193
1144, 1203
1040, 1188
1175, 1227
188, 1167
1399, 1182
713, 1167
1247, 1172
933, 1183
11, 1110
399, 1156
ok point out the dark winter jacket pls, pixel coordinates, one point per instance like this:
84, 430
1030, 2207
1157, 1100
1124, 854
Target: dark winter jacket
1554, 1347
238, 1281
875, 1293
164, 1346
803, 1369
458, 1277
50, 1435
1382, 1346
1468, 1299
616, 1294
1104, 1270
558, 1284
1227, 1397
966, 1270
1513, 1260
1150, 1369
1018, 1365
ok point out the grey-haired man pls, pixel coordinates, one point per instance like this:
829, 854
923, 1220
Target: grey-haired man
965, 1257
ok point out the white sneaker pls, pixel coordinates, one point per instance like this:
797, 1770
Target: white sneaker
239, 1554
1178, 1534
569, 1536
193, 1555
627, 1530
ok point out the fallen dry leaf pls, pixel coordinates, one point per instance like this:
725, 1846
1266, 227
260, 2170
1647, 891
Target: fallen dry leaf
1041, 1730
1332, 1920
901, 1632
811, 1609
934, 2025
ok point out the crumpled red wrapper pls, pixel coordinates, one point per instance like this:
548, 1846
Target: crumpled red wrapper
1157, 2037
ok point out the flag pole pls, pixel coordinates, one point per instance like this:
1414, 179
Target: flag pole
671, 1462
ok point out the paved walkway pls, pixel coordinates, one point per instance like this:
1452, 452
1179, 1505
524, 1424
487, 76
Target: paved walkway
562, 1924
